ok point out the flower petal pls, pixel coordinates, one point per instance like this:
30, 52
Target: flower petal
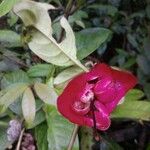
69, 96
99, 71
124, 81
102, 118
105, 90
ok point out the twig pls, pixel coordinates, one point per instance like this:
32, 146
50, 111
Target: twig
16, 61
73, 137
20, 139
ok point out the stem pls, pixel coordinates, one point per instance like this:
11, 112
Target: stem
20, 139
16, 61
73, 137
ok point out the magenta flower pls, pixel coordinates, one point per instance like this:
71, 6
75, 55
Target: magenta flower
90, 97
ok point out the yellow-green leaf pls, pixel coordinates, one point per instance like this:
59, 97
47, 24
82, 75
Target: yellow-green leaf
46, 94
6, 6
132, 107
28, 106
67, 74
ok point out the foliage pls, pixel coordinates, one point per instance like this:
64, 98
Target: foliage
42, 51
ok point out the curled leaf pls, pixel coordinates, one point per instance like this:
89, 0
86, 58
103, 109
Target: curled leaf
42, 43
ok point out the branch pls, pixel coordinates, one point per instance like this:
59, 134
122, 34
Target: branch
20, 139
73, 137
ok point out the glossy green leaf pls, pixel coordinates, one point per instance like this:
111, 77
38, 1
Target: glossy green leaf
88, 40
59, 130
46, 94
67, 74
28, 106
6, 6
9, 38
41, 136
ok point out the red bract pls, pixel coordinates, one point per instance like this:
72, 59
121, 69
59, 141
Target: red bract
90, 97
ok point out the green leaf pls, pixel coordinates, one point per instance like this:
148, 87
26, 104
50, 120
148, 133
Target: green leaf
41, 136
9, 39
146, 44
42, 43
4, 143
148, 11
12, 93
18, 76
2, 109
46, 94
147, 89
39, 118
134, 94
6, 6
67, 74
108, 9
109, 144
77, 18
39, 70
86, 138
88, 40
132, 40
16, 106
59, 130
133, 108
143, 63
130, 62
28, 106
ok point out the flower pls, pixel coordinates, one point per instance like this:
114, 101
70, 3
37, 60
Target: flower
90, 97
13, 130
